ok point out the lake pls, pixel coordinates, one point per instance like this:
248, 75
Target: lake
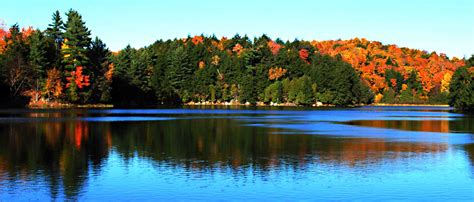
377, 153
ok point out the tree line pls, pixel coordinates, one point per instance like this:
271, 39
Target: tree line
64, 64
61, 63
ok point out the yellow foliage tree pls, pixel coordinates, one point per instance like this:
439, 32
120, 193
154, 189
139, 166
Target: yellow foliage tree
215, 60
378, 98
53, 87
202, 64
446, 81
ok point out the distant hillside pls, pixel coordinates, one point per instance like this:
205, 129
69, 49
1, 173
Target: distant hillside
372, 59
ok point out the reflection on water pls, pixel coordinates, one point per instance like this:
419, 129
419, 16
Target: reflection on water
441, 126
197, 154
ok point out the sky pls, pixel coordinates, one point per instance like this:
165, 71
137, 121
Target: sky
433, 25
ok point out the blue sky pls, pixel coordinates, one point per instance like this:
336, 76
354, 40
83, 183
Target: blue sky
432, 25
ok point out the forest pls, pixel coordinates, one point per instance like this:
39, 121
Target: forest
64, 64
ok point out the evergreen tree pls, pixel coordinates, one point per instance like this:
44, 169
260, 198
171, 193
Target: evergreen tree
141, 70
462, 90
392, 75
413, 82
55, 28
76, 40
337, 81
180, 73
123, 62
120, 79
205, 77
37, 55
54, 32
99, 55
160, 83
245, 66
248, 92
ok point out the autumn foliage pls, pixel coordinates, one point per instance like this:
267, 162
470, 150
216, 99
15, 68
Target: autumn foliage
238, 49
6, 34
215, 60
78, 78
372, 59
276, 73
60, 62
3, 34
197, 40
304, 54
274, 47
201, 64
110, 72
53, 86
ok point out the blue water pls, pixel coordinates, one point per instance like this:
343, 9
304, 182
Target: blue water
368, 153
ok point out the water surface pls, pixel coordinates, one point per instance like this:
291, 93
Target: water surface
373, 153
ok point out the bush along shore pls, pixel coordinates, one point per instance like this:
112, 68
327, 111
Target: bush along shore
64, 64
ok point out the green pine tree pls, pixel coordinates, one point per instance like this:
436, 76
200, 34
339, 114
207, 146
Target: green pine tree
99, 54
462, 90
180, 73
76, 40
55, 33
37, 56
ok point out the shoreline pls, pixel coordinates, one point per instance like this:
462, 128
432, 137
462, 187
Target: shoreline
260, 104
67, 106
408, 105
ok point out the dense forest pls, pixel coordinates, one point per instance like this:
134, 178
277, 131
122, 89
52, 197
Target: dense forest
63, 64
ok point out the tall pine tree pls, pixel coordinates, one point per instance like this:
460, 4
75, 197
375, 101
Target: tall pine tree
54, 32
98, 55
74, 51
37, 57
180, 72
76, 40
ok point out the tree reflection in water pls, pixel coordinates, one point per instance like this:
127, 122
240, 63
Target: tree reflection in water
66, 153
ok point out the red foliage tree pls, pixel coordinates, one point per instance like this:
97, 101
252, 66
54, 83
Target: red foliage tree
238, 49
3, 34
304, 54
78, 78
274, 47
197, 40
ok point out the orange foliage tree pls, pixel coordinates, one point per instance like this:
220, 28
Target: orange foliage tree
110, 72
75, 82
53, 87
276, 73
274, 47
197, 40
201, 64
372, 58
304, 54
238, 49
3, 34
78, 79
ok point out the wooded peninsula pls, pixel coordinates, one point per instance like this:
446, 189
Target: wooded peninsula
63, 64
